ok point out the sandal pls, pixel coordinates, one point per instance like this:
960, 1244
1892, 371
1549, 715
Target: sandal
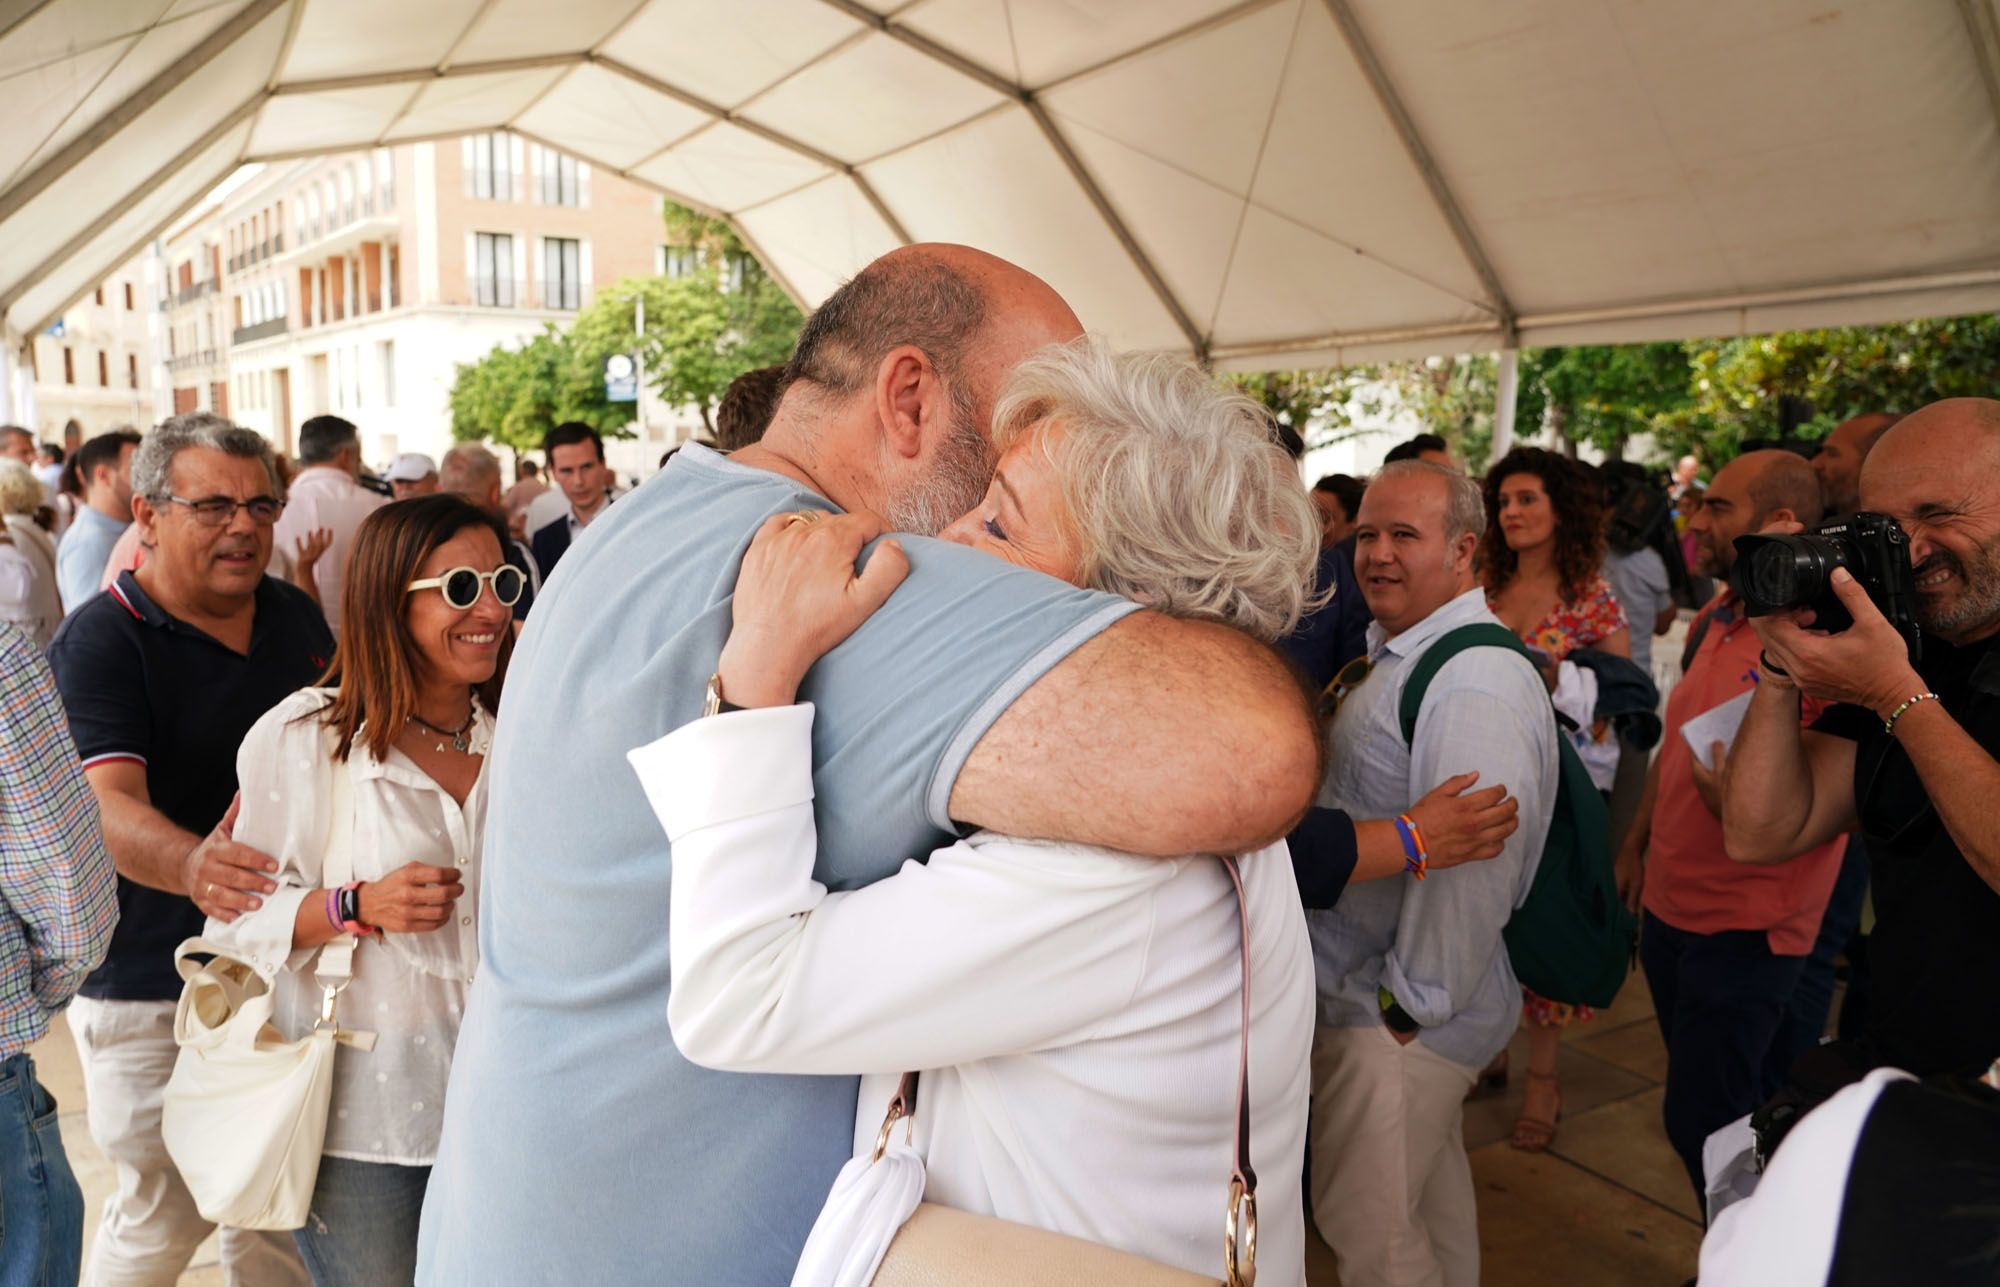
1534, 1134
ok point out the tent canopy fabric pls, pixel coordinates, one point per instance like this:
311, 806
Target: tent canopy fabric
1262, 183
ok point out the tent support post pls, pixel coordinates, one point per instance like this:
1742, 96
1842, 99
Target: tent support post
1504, 402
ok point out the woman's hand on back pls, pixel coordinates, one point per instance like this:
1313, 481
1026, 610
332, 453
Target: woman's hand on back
412, 899
1461, 825
798, 596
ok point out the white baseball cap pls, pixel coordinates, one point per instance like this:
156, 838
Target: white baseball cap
410, 467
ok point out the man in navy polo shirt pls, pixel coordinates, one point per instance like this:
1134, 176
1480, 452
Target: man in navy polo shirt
161, 677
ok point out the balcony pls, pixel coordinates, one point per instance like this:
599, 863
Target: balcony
193, 291
263, 330
189, 361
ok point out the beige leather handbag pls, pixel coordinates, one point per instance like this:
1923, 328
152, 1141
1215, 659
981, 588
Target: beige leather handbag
244, 1113
943, 1247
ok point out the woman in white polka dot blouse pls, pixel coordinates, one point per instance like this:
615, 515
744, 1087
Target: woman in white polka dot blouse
426, 631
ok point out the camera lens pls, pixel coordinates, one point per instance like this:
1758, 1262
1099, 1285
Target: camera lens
1791, 571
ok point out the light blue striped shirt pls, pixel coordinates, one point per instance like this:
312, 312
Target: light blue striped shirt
1436, 943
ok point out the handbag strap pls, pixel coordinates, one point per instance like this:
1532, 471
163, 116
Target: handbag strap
1240, 1227
336, 959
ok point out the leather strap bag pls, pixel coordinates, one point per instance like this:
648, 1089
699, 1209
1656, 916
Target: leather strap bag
245, 1110
939, 1246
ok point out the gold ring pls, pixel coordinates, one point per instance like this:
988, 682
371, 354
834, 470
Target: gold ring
806, 516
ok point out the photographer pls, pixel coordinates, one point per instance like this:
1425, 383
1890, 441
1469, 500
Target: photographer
1909, 759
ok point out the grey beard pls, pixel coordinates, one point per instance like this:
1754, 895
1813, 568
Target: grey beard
954, 486
1977, 604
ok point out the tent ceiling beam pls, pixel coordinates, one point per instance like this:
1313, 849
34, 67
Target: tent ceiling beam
373, 80
132, 108
1087, 182
1984, 34
156, 231
165, 173
15, 12
1420, 156
451, 54
765, 132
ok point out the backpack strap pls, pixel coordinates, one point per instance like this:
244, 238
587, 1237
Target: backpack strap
1483, 634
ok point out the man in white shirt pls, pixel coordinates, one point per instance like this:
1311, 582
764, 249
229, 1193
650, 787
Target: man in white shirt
1416, 991
326, 496
105, 466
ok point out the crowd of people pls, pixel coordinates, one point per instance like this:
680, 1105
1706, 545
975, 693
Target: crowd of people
831, 823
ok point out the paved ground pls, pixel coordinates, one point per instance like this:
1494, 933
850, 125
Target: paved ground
1607, 1204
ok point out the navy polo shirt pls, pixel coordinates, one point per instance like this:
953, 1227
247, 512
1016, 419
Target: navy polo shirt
144, 686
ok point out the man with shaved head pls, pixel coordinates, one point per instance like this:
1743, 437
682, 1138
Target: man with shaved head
1840, 457
1907, 758
1722, 944
579, 1145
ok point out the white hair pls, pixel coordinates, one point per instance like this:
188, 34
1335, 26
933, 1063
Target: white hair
1464, 507
20, 490
467, 468
1182, 497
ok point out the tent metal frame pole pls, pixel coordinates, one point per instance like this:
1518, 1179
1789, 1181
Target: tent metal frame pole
777, 274
113, 122
1864, 289
26, 11
765, 132
47, 268
1079, 173
412, 75
1420, 156
1475, 335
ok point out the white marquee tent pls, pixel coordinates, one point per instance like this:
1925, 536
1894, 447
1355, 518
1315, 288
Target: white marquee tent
1258, 182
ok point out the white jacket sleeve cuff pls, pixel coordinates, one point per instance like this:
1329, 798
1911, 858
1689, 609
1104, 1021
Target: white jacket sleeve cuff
728, 767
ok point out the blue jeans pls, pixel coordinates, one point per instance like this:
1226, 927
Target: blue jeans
1720, 1000
41, 1207
362, 1230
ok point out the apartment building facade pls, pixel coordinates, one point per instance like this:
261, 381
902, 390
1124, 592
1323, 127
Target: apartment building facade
95, 367
355, 284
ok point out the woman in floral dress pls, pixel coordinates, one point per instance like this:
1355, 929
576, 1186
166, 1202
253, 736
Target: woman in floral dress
1540, 561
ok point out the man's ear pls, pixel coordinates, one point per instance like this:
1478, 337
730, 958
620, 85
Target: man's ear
908, 393
1465, 551
1782, 514
146, 517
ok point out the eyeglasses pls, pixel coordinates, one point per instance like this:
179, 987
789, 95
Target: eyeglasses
461, 586
1345, 681
220, 511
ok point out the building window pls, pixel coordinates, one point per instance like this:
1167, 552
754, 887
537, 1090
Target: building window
492, 167
493, 269
558, 178
132, 366
128, 297
103, 369
100, 297
562, 286
386, 350
679, 261
69, 367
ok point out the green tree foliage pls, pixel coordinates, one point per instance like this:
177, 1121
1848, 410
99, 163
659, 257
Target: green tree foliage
1702, 397
721, 317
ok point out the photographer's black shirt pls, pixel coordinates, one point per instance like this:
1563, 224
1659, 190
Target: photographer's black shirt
1934, 955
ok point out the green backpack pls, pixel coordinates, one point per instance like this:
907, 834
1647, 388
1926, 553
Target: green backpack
1572, 940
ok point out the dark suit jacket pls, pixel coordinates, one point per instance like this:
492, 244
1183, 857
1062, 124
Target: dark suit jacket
549, 544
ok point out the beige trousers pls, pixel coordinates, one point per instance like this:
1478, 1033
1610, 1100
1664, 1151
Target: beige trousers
1391, 1188
150, 1227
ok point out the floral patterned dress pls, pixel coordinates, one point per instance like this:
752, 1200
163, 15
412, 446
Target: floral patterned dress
1569, 626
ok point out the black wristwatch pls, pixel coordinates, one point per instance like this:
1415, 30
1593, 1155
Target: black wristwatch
1394, 1015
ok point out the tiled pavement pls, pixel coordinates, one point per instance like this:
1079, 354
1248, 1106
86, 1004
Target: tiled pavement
1608, 1204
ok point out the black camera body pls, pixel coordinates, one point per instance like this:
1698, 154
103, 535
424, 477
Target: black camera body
1784, 573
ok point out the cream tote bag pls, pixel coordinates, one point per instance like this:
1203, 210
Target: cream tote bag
245, 1111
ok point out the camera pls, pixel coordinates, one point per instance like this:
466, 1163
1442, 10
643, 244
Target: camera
1783, 573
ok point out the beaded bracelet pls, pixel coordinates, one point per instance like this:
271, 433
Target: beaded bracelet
1416, 856
1889, 725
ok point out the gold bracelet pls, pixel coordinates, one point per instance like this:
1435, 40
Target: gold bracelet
1889, 725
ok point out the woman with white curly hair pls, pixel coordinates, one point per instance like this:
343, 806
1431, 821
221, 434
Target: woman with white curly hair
1077, 1013
28, 595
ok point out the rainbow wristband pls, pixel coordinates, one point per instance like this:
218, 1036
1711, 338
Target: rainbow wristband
333, 909
1416, 857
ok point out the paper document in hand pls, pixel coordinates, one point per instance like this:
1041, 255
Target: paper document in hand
1717, 725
